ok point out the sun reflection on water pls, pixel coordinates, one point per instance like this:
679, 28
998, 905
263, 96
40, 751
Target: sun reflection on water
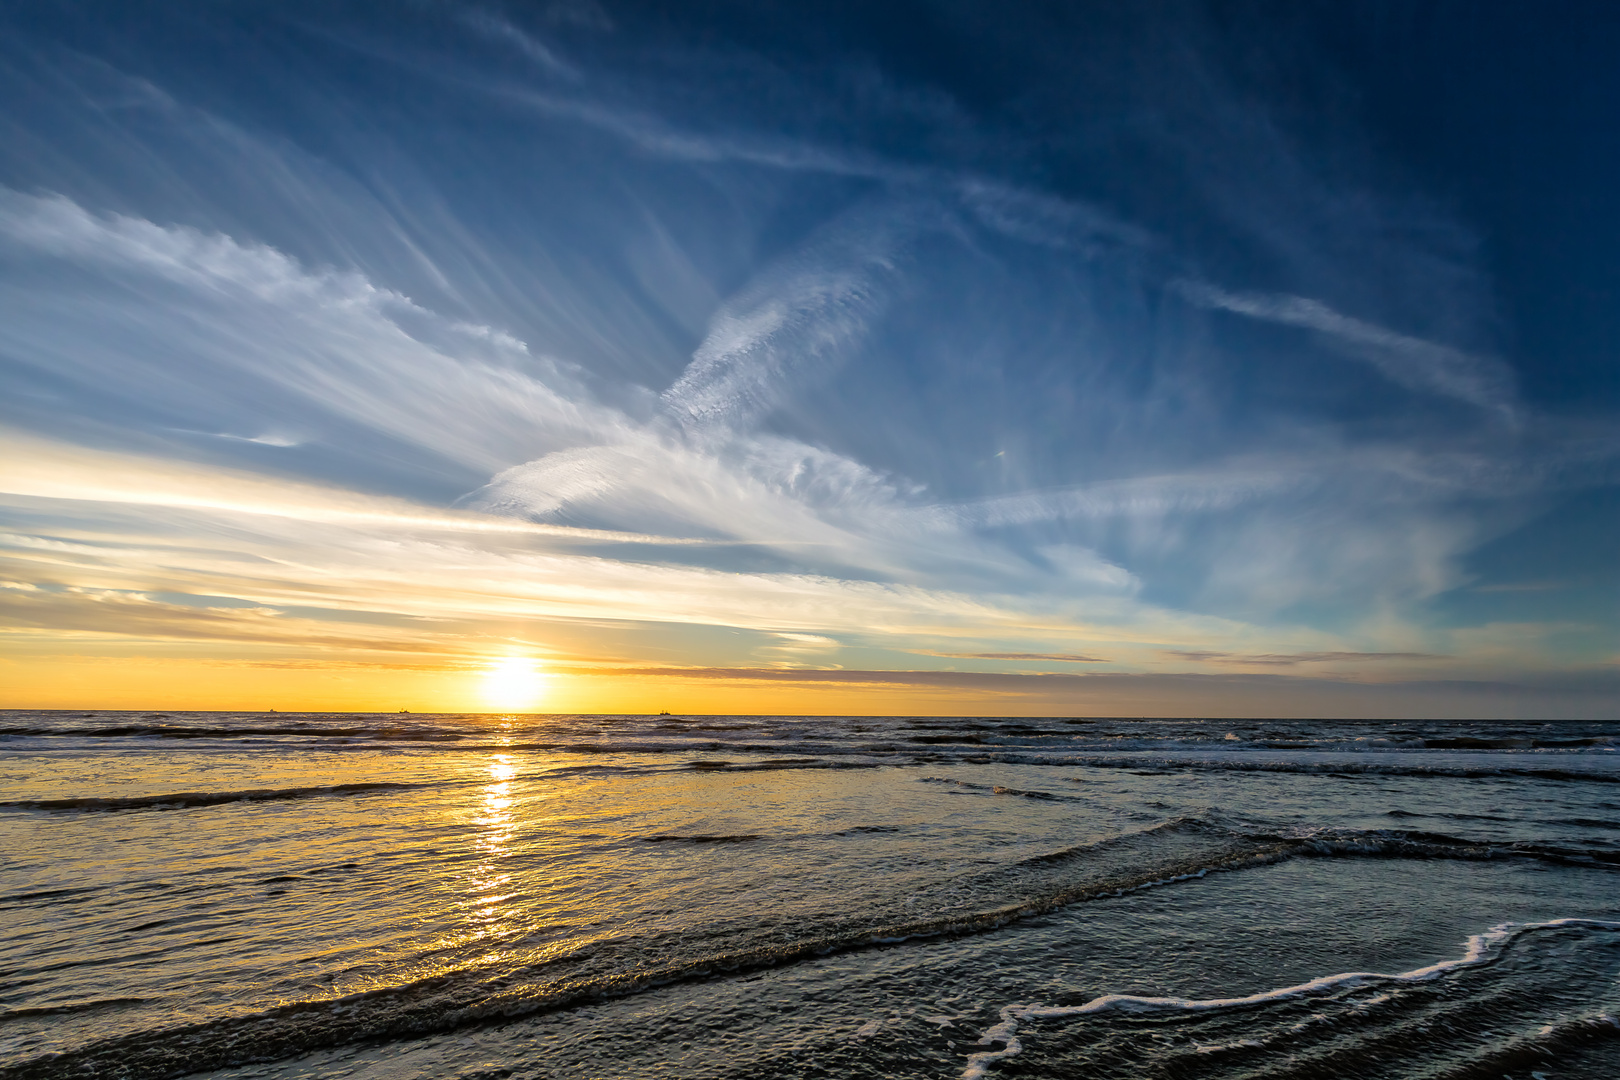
490, 884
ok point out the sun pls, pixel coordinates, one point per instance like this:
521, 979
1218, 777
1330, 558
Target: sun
512, 684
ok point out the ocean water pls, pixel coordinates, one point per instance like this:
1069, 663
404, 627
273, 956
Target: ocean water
281, 895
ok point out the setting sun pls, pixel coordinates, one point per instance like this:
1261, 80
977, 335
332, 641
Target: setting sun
513, 684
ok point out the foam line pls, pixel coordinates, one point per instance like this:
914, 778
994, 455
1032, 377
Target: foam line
1479, 949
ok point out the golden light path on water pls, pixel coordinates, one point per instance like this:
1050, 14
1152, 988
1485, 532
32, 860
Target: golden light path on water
491, 887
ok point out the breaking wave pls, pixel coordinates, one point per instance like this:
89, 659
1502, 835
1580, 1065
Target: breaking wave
1480, 950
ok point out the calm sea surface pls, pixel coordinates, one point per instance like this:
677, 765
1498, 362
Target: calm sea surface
284, 895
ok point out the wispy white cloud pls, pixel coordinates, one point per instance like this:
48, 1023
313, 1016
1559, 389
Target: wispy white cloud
494, 26
1059, 658
1039, 218
796, 319
1020, 212
1291, 659
46, 469
1148, 496
269, 438
247, 313
1412, 362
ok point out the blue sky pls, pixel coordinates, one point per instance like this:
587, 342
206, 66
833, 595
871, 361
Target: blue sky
1225, 358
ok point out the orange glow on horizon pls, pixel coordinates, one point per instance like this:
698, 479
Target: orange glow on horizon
109, 681
190, 683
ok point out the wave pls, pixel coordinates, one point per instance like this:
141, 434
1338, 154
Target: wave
45, 894
1343, 768
1469, 742
1412, 844
998, 789
187, 800
778, 764
1447, 816
1560, 1038
96, 1005
184, 800
1479, 950
1439, 815
181, 731
1586, 823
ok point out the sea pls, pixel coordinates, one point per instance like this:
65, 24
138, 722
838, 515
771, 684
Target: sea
278, 895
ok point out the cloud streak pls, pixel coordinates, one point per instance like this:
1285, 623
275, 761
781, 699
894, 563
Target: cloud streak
1408, 361
1291, 659
1057, 658
796, 320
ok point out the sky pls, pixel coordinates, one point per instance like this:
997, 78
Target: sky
1161, 359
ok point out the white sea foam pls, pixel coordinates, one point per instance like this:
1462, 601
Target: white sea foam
1479, 949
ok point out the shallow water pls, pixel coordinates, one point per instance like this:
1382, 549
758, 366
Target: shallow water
273, 895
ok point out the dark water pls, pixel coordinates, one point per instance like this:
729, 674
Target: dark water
274, 895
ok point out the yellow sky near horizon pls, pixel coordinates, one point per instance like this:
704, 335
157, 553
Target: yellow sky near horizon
206, 684
133, 582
